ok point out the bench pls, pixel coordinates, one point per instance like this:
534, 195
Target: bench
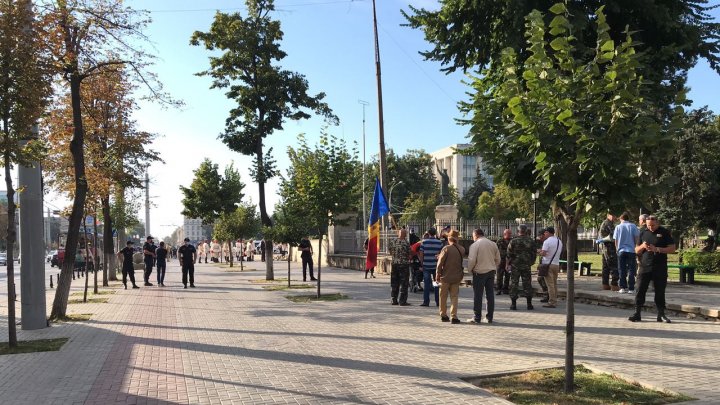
584, 268
687, 272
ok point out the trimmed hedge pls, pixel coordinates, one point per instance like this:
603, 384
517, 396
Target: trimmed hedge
704, 262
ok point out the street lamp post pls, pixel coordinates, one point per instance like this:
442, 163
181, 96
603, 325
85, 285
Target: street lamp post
364, 201
390, 200
535, 197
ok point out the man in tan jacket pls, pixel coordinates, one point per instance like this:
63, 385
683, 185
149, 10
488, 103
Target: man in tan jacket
449, 275
483, 259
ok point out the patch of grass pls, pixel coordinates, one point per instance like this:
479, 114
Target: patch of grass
540, 387
313, 298
90, 293
263, 281
278, 287
236, 269
75, 318
33, 346
89, 300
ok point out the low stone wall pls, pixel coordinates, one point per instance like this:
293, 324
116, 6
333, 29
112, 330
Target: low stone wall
357, 262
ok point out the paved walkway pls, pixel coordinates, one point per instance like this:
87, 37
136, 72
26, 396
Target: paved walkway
230, 341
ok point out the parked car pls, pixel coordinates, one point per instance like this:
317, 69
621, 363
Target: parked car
50, 255
3, 259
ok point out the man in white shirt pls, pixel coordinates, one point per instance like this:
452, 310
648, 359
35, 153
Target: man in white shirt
483, 260
550, 252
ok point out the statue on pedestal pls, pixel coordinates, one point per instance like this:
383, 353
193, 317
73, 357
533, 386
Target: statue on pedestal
444, 185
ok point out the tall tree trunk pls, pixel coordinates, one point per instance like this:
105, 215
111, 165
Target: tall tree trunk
572, 219
96, 257
85, 267
108, 246
230, 249
288, 260
264, 217
62, 293
11, 238
319, 265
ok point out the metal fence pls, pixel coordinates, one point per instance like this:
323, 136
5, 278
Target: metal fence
352, 241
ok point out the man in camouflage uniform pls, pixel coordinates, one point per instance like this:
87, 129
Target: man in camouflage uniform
609, 258
399, 249
503, 277
521, 252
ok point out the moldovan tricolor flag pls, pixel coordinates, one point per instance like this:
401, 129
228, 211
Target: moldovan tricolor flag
378, 210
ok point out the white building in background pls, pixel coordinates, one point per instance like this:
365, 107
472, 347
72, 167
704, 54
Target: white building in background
194, 229
461, 169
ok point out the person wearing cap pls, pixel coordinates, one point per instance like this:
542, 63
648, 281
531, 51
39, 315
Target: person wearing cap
187, 255
550, 253
149, 252
449, 274
521, 254
655, 244
126, 255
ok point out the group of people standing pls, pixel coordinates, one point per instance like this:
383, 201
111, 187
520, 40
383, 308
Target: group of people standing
156, 256
443, 271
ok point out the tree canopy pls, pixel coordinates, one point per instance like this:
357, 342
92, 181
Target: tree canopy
210, 194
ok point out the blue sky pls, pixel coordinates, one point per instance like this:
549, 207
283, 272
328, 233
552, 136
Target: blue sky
331, 43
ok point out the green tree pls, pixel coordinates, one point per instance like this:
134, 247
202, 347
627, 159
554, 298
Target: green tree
693, 200
287, 228
266, 95
210, 194
504, 203
24, 92
671, 35
577, 129
243, 222
469, 201
320, 186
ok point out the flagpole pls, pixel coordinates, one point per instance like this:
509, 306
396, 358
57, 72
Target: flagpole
381, 124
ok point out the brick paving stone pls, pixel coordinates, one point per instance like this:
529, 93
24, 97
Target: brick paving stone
230, 341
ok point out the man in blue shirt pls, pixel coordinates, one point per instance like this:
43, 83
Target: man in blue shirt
428, 251
626, 237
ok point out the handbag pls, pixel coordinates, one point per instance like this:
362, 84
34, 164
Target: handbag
544, 269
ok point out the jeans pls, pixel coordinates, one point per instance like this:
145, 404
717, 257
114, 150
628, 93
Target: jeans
428, 277
307, 261
627, 265
484, 284
399, 281
148, 270
161, 266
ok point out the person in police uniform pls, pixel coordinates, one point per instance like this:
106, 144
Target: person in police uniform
522, 253
503, 276
149, 252
126, 255
655, 244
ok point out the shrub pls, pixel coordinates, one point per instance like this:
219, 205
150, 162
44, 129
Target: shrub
704, 262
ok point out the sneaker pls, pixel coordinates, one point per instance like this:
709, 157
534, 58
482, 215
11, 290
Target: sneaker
424, 305
455, 321
488, 320
405, 304
623, 291
445, 318
394, 302
548, 306
631, 291
148, 284
474, 321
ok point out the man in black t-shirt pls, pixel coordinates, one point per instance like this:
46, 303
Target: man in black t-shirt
126, 255
306, 253
187, 256
655, 244
149, 252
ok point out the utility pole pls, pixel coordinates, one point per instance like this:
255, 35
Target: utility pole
32, 246
364, 201
147, 204
381, 124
